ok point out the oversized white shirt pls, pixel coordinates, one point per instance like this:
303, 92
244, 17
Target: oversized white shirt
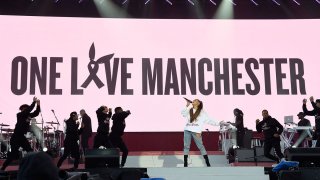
197, 125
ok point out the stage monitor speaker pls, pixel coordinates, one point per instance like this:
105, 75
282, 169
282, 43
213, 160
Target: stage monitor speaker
244, 155
307, 157
259, 154
96, 158
290, 175
247, 139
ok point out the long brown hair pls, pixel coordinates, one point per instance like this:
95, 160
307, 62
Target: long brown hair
194, 116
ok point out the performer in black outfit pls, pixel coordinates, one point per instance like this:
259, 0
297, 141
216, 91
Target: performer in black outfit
316, 113
303, 122
118, 126
102, 137
87, 131
71, 145
22, 127
239, 125
272, 130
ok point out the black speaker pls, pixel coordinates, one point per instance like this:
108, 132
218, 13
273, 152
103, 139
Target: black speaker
290, 175
307, 157
247, 138
244, 155
259, 154
96, 158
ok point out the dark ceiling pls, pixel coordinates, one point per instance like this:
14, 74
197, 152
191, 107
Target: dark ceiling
180, 9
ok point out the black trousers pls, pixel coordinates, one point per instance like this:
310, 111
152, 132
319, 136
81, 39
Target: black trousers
71, 147
118, 142
240, 135
16, 141
102, 139
273, 143
84, 142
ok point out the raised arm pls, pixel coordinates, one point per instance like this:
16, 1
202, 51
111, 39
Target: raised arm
37, 111
305, 110
185, 111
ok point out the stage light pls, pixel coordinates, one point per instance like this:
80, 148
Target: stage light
191, 2
124, 2
169, 2
45, 149
254, 2
213, 2
276, 2
231, 1
318, 1
147, 2
296, 2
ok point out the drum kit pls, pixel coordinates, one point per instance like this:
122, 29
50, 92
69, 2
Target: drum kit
45, 137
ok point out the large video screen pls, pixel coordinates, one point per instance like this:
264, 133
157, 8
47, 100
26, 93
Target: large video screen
147, 66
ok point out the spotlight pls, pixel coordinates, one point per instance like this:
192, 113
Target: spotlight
45, 149
169, 2
213, 2
231, 1
254, 2
296, 2
276, 2
191, 2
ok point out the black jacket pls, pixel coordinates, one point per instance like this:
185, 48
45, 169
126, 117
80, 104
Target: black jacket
103, 127
119, 123
23, 119
239, 123
269, 126
87, 130
315, 112
72, 131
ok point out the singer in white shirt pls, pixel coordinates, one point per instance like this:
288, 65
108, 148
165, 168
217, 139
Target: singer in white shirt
196, 118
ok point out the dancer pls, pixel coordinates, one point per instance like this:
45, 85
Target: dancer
118, 126
71, 145
196, 118
102, 137
303, 133
272, 130
22, 127
316, 113
239, 125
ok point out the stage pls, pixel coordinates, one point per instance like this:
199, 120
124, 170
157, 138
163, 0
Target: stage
169, 165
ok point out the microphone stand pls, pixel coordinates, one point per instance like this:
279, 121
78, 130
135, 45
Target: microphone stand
42, 122
57, 131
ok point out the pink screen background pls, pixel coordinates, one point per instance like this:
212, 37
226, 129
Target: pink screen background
139, 38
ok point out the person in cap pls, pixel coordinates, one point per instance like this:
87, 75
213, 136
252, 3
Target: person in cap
22, 127
316, 113
71, 145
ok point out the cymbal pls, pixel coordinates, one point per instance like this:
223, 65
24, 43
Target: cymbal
4, 124
51, 122
7, 130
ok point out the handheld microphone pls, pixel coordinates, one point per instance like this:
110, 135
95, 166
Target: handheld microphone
187, 100
52, 110
0, 112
